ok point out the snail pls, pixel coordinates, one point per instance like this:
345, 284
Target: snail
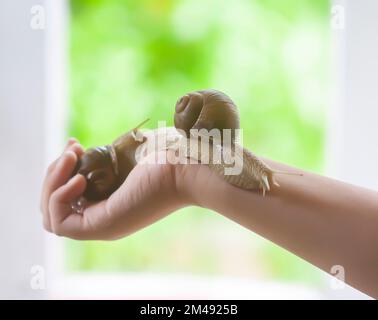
106, 168
212, 109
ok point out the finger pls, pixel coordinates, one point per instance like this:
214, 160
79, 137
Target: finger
69, 143
77, 148
55, 179
72, 145
94, 224
60, 205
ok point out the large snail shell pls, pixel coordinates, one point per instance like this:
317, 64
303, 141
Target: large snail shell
206, 109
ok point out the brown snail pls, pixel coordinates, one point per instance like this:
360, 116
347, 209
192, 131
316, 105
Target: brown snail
106, 168
212, 109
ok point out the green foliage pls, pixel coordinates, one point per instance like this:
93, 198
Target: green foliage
131, 60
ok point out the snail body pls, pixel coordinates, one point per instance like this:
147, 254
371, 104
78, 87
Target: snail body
245, 170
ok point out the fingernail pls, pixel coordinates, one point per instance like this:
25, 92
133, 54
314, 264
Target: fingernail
72, 180
75, 178
68, 153
77, 145
65, 155
69, 142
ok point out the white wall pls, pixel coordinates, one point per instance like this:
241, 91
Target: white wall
26, 55
353, 147
21, 142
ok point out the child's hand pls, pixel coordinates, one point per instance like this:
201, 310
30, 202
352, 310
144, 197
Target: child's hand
149, 193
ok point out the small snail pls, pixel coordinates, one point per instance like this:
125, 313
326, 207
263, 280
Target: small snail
107, 167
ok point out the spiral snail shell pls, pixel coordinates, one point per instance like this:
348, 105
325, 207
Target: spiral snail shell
206, 109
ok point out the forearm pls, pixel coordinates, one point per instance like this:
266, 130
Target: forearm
322, 220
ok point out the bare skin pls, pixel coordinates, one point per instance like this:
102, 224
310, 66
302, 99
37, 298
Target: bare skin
324, 221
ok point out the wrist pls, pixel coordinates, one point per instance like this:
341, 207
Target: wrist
194, 184
183, 190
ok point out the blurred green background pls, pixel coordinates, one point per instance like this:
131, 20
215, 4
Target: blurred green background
131, 60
